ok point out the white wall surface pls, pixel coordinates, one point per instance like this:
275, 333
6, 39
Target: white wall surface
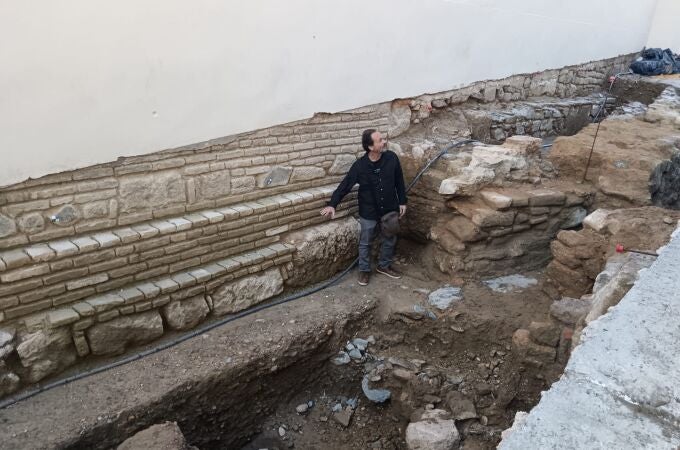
665, 30
86, 81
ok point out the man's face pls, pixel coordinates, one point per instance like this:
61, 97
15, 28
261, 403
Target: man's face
379, 142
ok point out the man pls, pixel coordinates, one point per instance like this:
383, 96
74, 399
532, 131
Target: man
381, 191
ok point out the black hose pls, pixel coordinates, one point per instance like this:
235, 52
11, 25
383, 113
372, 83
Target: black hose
64, 381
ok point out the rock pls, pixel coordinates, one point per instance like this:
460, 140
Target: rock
9, 381
307, 173
399, 119
165, 436
465, 230
496, 200
374, 395
65, 216
7, 226
185, 314
355, 354
547, 197
574, 218
31, 223
569, 310
213, 185
342, 164
341, 359
46, 352
529, 351
597, 220
468, 182
332, 245
668, 221
510, 283
113, 336
371, 340
6, 336
349, 347
524, 145
143, 192
282, 432
545, 333
520, 418
248, 291
460, 406
402, 374
444, 297
361, 344
352, 402
277, 176
302, 408
432, 433
344, 416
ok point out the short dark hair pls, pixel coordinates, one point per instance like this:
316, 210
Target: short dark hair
367, 139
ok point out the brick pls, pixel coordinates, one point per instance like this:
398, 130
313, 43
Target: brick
215, 270
212, 216
73, 296
164, 261
149, 290
107, 239
133, 168
151, 254
95, 172
167, 285
40, 253
94, 196
105, 302
164, 226
181, 224
124, 251
60, 317
108, 315
108, 265
85, 282
127, 270
8, 302
64, 248
15, 258
277, 230
168, 211
131, 295
84, 309
143, 306
66, 275
84, 323
92, 225
135, 218
201, 275
151, 273
127, 235
185, 264
178, 247
23, 310
184, 280
86, 244
39, 294
27, 272
159, 302
197, 220
125, 310
145, 231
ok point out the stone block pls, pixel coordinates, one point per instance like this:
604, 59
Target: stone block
545, 333
529, 351
307, 173
277, 176
597, 220
242, 185
46, 352
524, 145
96, 210
488, 218
59, 317
399, 119
165, 436
65, 216
26, 272
31, 223
432, 433
246, 292
342, 164
105, 302
496, 200
565, 255
185, 314
446, 240
468, 182
465, 230
213, 185
40, 253
331, 244
114, 336
64, 248
569, 310
547, 197
89, 281
140, 192
7, 226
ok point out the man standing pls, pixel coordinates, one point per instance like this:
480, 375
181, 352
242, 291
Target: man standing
381, 191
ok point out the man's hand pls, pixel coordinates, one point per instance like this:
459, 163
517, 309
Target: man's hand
402, 210
328, 211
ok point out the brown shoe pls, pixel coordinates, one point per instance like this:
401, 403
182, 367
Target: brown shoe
390, 272
363, 278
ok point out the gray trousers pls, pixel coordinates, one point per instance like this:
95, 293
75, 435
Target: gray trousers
368, 232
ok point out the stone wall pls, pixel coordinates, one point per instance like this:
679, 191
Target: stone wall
104, 258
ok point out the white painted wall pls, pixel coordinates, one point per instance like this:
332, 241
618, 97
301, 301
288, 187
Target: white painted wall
86, 81
665, 29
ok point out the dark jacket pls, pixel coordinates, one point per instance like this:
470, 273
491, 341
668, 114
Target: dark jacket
381, 186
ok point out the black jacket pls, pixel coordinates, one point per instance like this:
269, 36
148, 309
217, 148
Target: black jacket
381, 186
